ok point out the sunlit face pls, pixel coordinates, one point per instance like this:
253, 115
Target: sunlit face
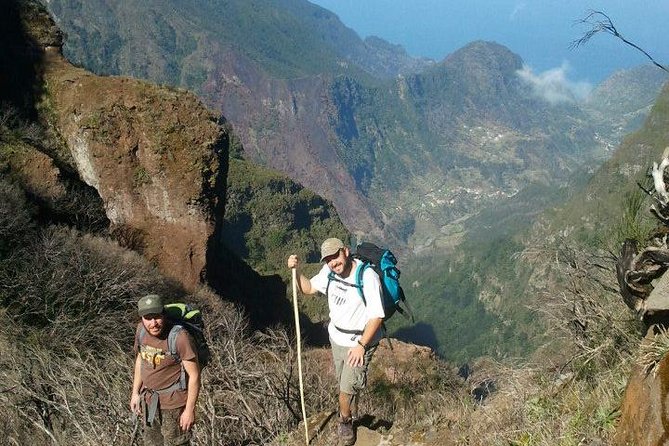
154, 323
340, 263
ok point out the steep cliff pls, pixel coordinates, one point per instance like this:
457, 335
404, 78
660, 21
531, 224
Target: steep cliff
156, 157
148, 165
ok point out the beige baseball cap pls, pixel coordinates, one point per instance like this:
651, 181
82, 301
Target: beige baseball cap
330, 246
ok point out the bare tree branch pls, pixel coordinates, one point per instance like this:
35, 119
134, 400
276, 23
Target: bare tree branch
601, 23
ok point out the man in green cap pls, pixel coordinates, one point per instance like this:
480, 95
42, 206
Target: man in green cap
355, 326
166, 381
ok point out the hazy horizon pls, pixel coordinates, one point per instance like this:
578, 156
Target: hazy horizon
540, 32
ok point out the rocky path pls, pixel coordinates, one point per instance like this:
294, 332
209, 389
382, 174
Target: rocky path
370, 431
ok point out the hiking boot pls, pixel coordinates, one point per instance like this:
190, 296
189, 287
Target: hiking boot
346, 432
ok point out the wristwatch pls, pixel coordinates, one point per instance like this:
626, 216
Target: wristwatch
363, 345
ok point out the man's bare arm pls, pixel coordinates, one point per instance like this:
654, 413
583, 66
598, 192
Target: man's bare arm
136, 386
188, 416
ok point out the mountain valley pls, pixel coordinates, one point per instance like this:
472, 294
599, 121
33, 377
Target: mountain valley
211, 138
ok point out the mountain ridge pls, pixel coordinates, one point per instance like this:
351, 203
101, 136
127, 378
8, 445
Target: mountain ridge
357, 125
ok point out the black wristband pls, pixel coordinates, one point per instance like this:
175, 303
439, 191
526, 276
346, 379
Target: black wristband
363, 345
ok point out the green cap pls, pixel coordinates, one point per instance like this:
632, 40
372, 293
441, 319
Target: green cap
150, 304
331, 246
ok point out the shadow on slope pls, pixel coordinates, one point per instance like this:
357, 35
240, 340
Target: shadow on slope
420, 333
20, 53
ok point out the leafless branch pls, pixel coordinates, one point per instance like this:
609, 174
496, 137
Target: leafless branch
602, 23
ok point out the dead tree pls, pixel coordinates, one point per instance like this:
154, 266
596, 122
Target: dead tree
601, 23
640, 274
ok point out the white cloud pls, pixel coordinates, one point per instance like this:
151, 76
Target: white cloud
553, 86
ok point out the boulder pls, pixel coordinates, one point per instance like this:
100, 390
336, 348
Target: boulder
644, 419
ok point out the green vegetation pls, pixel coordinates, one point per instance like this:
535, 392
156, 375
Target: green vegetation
140, 177
464, 308
175, 55
268, 216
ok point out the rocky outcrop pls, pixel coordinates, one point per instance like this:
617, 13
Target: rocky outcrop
154, 155
402, 363
644, 419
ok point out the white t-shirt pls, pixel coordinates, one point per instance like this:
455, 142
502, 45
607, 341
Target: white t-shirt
347, 309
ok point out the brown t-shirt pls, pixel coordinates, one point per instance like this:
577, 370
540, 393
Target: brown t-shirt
159, 370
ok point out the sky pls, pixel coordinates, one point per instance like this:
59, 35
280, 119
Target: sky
539, 31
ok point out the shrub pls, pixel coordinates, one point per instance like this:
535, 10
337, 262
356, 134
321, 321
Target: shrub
66, 333
15, 214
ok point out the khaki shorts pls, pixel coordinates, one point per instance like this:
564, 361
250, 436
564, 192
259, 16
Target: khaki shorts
351, 379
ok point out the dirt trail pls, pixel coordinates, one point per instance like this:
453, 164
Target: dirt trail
370, 432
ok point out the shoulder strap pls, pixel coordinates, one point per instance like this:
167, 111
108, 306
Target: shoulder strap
358, 279
172, 347
172, 342
331, 277
141, 334
360, 269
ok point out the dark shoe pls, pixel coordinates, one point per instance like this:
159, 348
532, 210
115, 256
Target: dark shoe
346, 432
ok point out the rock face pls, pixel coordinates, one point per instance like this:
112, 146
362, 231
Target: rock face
285, 125
644, 417
153, 154
390, 365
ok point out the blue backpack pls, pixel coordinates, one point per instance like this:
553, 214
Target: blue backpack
383, 262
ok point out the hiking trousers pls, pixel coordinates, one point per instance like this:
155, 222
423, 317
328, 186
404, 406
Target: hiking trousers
165, 430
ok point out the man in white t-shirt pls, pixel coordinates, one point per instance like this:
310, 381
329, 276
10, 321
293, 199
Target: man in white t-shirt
355, 326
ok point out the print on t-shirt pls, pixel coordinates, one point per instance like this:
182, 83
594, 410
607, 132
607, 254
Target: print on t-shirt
339, 294
152, 355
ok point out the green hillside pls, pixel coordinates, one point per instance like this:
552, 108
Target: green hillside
288, 38
491, 269
597, 214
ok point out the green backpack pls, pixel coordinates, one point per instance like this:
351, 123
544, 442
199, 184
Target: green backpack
183, 316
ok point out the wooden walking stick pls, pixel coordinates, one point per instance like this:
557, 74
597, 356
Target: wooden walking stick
299, 356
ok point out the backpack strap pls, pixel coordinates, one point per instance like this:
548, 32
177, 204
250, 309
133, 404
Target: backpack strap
351, 332
407, 309
141, 334
360, 269
172, 348
172, 341
358, 279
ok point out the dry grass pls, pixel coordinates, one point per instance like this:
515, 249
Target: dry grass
67, 319
569, 393
653, 349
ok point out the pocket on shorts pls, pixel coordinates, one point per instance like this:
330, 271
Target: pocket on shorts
360, 378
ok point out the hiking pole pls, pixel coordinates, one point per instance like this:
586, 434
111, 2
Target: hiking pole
299, 355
